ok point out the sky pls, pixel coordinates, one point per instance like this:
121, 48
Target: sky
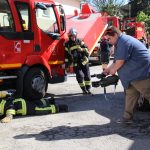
125, 1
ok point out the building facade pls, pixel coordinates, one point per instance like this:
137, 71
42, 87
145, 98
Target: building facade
70, 6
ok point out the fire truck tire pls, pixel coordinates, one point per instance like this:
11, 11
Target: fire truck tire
35, 84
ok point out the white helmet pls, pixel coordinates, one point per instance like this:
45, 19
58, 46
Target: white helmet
72, 31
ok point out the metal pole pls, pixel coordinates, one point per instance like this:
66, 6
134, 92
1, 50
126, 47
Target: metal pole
129, 10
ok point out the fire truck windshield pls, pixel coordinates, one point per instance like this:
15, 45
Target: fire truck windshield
46, 19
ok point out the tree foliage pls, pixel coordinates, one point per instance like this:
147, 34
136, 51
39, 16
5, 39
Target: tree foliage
142, 17
137, 6
112, 7
141, 10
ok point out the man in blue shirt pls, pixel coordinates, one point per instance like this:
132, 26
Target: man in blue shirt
132, 62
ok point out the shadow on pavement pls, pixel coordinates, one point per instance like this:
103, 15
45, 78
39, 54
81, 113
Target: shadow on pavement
111, 108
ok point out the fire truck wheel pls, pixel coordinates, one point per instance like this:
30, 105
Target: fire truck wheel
35, 84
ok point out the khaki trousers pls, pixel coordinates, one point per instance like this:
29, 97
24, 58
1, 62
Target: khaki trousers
132, 95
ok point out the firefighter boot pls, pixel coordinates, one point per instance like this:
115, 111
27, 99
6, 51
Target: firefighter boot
62, 108
89, 92
7, 119
84, 92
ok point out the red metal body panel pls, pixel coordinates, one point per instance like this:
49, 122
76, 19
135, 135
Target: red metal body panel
113, 20
51, 50
129, 25
138, 27
90, 26
43, 50
14, 51
32, 57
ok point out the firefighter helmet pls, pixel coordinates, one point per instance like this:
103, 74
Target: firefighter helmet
73, 32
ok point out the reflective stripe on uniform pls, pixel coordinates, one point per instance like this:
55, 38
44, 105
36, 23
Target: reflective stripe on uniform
23, 110
74, 47
80, 49
51, 107
10, 112
82, 84
85, 60
86, 49
2, 105
87, 82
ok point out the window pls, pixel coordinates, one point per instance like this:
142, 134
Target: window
23, 11
110, 23
6, 19
46, 20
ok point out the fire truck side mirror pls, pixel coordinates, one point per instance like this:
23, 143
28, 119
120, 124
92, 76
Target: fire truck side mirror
41, 6
62, 18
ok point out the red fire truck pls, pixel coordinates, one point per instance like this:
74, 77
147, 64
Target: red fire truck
128, 25
32, 33
134, 28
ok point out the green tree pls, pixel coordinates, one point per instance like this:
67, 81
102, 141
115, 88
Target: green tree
142, 17
137, 6
112, 7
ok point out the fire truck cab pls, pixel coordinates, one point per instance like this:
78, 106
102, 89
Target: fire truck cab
31, 46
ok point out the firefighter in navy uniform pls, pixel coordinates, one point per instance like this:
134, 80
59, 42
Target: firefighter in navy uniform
10, 107
76, 53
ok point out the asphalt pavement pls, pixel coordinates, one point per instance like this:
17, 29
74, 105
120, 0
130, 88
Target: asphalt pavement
90, 123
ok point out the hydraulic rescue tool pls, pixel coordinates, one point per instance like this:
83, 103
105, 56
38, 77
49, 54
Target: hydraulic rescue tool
105, 81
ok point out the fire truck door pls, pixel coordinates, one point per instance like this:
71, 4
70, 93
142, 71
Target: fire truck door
49, 32
16, 39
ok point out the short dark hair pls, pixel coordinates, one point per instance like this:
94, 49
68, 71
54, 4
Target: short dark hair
111, 31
